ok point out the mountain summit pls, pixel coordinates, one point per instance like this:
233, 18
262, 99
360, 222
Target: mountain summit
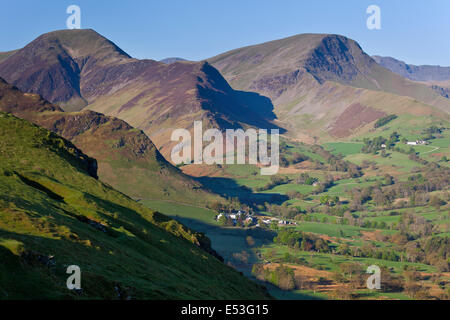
54, 64
81, 69
312, 79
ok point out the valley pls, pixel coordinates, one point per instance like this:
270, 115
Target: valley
86, 173
350, 230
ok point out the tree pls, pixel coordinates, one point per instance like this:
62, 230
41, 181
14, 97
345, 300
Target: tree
344, 249
379, 197
436, 202
223, 220
274, 225
388, 179
329, 200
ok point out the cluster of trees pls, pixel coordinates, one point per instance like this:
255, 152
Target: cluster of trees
431, 250
353, 274
229, 205
359, 197
306, 179
329, 200
380, 143
415, 157
295, 195
369, 251
323, 185
414, 226
281, 276
275, 180
301, 241
431, 179
337, 210
374, 224
374, 145
336, 163
431, 132
284, 210
333, 162
385, 120
417, 188
296, 158
287, 157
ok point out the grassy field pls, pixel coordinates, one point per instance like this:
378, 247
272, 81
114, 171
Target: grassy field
344, 148
331, 262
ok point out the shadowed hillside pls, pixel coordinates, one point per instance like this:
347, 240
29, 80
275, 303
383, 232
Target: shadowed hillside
127, 158
53, 213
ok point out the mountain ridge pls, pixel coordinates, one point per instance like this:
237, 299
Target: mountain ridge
150, 95
414, 72
314, 78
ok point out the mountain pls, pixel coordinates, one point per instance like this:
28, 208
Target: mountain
318, 82
5, 55
414, 72
79, 69
53, 214
172, 60
127, 159
435, 77
53, 66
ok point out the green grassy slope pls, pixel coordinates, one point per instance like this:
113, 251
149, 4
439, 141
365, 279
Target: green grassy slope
51, 207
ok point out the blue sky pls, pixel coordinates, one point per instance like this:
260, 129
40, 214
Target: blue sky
414, 31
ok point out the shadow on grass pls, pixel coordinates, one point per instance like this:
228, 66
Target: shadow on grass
231, 242
291, 295
228, 188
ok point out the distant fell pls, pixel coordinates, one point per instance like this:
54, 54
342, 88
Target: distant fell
172, 60
414, 72
315, 80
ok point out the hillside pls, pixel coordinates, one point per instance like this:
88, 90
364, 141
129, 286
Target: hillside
127, 159
53, 214
313, 80
414, 72
81, 69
